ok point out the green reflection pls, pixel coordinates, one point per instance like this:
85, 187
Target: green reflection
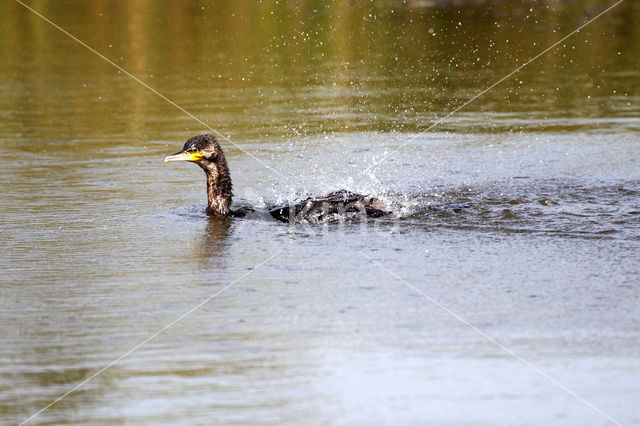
263, 69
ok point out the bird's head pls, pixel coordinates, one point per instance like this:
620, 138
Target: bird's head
203, 150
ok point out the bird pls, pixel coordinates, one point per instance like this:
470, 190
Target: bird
205, 151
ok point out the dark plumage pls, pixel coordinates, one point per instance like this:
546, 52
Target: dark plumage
336, 205
205, 151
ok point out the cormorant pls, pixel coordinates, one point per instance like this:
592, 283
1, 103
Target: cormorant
206, 152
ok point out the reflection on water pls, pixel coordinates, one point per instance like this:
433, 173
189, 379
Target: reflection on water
214, 241
102, 245
275, 69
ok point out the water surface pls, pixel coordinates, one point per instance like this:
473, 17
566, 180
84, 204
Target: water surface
102, 245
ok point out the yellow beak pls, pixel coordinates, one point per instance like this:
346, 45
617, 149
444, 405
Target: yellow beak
183, 156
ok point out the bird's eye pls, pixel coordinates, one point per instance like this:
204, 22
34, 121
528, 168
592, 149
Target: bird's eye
192, 149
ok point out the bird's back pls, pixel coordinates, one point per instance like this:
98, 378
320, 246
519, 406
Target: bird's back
334, 206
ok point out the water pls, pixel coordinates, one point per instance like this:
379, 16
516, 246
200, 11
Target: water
102, 245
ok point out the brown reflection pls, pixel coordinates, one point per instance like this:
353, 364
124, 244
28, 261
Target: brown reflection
21, 404
215, 241
259, 69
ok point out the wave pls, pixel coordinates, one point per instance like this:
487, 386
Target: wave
556, 207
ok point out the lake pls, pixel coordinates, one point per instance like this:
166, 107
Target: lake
520, 309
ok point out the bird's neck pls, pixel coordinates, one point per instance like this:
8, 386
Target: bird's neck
219, 188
